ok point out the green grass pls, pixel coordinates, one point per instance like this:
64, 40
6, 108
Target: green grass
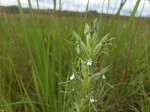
36, 53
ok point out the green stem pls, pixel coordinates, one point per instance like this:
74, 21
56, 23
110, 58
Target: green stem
84, 89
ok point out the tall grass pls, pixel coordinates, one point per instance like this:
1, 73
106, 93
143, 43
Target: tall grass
36, 55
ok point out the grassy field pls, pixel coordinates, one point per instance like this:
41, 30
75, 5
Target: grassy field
37, 53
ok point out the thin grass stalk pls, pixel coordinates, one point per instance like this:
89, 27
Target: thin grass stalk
128, 26
121, 6
60, 96
37, 1
115, 6
116, 17
101, 15
17, 78
3, 102
6, 105
40, 50
53, 75
47, 71
37, 81
39, 47
125, 33
124, 76
85, 17
53, 66
147, 61
54, 2
21, 85
125, 72
38, 8
108, 6
50, 75
60, 5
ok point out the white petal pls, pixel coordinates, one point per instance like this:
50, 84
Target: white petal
103, 77
72, 76
89, 63
92, 100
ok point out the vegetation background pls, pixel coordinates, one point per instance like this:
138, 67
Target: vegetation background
36, 54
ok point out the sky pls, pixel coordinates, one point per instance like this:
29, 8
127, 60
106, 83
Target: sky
110, 6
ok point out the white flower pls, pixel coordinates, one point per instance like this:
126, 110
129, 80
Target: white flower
103, 77
72, 76
89, 63
92, 100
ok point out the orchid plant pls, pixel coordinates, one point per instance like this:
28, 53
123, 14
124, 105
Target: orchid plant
85, 88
